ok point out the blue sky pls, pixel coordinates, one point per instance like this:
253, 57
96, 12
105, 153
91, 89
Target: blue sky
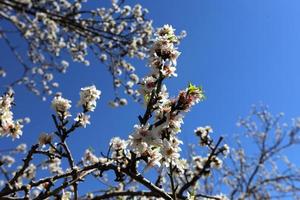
242, 52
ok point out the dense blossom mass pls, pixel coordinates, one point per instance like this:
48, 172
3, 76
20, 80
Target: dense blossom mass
8, 125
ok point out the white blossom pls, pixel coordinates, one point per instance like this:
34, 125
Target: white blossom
170, 151
154, 157
8, 160
83, 119
61, 106
55, 166
30, 172
118, 144
123, 102
88, 97
21, 148
9, 126
89, 157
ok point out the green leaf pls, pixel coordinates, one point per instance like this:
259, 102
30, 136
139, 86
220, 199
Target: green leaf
196, 89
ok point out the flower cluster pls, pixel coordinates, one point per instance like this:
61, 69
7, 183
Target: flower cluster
200, 163
163, 54
9, 126
203, 134
61, 106
157, 142
88, 100
118, 147
88, 97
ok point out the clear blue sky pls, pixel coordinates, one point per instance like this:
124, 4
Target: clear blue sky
242, 52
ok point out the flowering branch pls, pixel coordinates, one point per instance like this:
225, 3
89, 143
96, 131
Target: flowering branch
11, 184
153, 143
268, 174
50, 29
206, 167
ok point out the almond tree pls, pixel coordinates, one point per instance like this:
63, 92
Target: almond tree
257, 167
54, 31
